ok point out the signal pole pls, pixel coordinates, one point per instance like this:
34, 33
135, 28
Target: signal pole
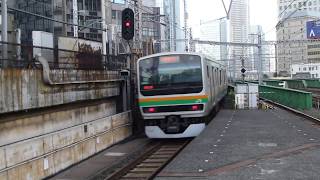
242, 68
138, 19
104, 27
185, 25
260, 59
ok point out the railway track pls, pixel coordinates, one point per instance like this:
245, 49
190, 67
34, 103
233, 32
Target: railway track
316, 101
299, 113
151, 162
315, 97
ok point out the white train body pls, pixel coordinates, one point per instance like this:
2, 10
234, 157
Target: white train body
177, 92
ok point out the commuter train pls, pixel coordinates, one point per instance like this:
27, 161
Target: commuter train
178, 92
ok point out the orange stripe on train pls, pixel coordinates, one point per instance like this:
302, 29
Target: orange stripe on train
172, 98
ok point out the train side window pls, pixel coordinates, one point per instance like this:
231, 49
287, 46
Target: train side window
216, 75
212, 77
220, 77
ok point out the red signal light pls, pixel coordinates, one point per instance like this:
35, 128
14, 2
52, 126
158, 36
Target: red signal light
128, 24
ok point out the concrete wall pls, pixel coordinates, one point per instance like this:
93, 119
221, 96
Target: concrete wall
22, 89
39, 146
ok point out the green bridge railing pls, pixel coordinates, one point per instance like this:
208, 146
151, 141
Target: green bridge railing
312, 83
296, 99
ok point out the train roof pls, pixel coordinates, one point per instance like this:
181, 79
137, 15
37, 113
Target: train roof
179, 53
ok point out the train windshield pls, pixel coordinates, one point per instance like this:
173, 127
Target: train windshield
174, 74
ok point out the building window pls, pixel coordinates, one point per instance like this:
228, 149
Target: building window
114, 14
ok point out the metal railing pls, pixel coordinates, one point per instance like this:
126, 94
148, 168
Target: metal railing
85, 58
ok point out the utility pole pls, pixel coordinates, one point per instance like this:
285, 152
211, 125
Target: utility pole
191, 43
260, 59
276, 57
108, 20
185, 25
138, 20
234, 66
104, 27
4, 32
75, 18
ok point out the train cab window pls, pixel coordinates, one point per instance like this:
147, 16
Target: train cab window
170, 74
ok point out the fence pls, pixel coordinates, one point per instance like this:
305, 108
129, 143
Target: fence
86, 58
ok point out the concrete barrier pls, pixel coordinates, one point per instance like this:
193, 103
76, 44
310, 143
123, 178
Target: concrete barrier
50, 143
22, 89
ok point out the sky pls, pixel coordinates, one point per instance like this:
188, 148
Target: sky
262, 12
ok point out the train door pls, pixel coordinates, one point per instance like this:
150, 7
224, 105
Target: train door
209, 75
217, 82
206, 84
213, 85
220, 81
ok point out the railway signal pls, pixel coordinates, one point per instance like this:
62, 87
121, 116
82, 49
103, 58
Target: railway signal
127, 24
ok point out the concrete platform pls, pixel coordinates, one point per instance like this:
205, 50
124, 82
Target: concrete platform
251, 144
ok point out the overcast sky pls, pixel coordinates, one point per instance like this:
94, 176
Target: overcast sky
262, 12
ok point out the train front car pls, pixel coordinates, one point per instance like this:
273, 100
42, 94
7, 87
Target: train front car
172, 96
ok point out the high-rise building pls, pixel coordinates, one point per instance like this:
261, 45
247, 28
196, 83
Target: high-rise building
209, 31
88, 13
287, 7
293, 47
151, 25
27, 22
239, 31
164, 26
149, 3
291, 28
216, 30
174, 15
253, 58
224, 37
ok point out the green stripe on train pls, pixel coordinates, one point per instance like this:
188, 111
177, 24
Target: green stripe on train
173, 102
